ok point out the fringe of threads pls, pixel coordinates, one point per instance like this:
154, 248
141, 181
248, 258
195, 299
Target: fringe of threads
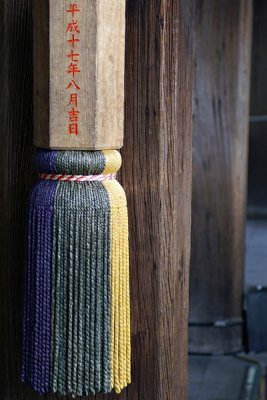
76, 331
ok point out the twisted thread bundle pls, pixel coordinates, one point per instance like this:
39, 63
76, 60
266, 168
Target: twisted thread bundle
76, 332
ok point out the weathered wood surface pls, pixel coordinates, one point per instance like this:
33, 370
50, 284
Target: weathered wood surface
156, 174
221, 103
100, 63
16, 178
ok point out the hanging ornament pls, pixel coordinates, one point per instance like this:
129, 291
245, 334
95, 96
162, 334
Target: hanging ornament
76, 331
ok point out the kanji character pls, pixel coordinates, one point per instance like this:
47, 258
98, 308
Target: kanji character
73, 129
73, 115
73, 99
73, 69
73, 26
73, 40
72, 83
73, 8
72, 56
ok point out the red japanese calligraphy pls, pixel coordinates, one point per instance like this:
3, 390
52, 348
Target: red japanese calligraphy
73, 99
72, 83
73, 32
73, 69
73, 27
73, 115
73, 129
73, 56
73, 40
73, 8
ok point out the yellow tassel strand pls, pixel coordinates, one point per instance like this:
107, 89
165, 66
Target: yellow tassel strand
120, 302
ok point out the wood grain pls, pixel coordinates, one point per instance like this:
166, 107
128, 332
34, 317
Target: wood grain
16, 175
221, 103
156, 175
101, 48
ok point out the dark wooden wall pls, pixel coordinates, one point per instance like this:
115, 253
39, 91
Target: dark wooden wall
220, 138
16, 178
156, 175
257, 188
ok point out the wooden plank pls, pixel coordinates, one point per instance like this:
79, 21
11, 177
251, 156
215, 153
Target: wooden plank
221, 103
99, 73
157, 161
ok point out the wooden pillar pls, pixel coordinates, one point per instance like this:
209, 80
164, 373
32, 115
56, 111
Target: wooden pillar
156, 175
221, 102
94, 58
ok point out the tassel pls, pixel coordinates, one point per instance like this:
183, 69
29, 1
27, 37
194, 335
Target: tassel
76, 332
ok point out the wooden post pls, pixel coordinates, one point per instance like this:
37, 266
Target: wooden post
221, 102
86, 58
156, 174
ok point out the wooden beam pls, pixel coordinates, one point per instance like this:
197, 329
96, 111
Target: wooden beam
86, 59
221, 103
